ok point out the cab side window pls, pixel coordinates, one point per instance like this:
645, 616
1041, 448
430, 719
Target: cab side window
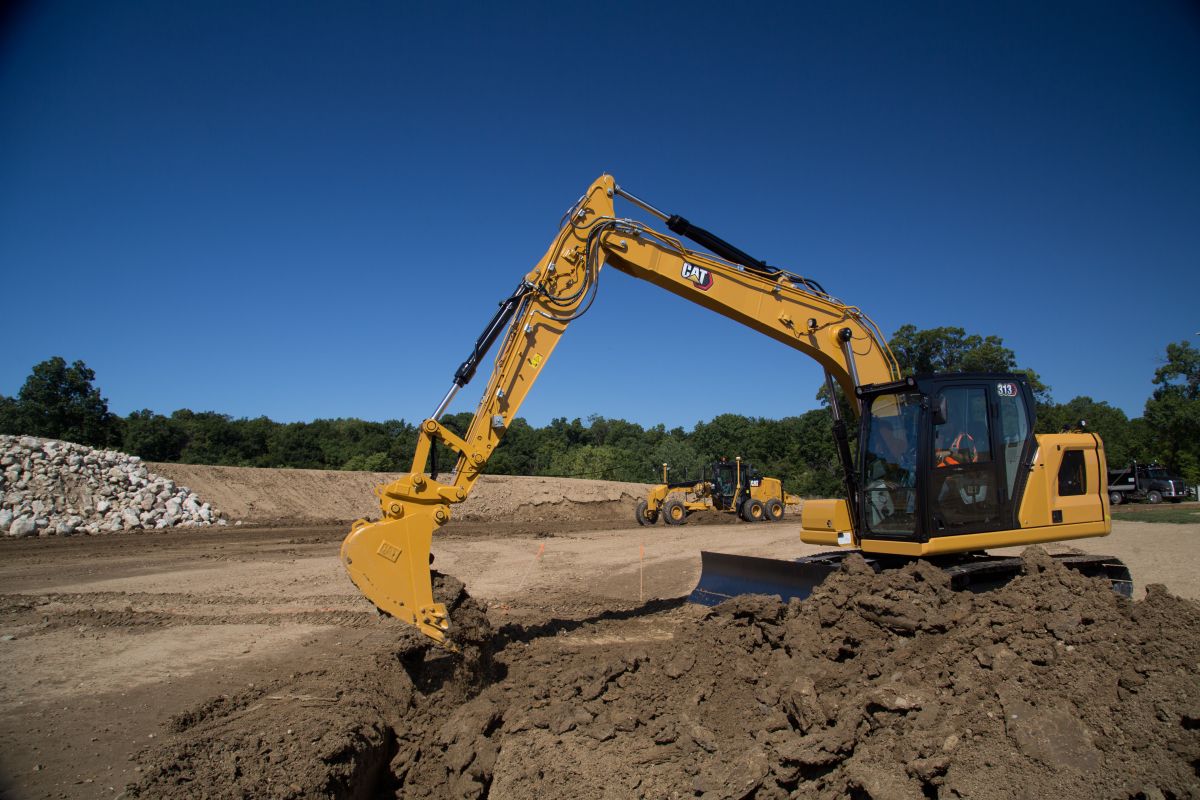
1072, 478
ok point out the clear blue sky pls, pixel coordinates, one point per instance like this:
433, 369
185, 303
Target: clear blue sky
310, 209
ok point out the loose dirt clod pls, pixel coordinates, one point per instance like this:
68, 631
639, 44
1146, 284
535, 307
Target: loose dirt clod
889, 686
470, 632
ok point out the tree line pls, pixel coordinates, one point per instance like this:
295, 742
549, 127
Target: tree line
60, 400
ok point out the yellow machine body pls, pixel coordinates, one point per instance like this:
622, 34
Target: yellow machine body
389, 559
1058, 504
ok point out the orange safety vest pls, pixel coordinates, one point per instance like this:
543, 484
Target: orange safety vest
956, 446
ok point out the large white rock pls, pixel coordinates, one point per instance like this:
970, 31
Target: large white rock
22, 526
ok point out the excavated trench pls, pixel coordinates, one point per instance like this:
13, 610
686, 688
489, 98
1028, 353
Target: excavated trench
891, 686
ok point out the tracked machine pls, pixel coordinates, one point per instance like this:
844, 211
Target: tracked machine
947, 466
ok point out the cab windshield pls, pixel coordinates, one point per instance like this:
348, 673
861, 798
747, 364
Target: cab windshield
1160, 474
890, 463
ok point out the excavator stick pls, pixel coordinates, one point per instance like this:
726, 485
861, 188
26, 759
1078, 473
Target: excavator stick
389, 563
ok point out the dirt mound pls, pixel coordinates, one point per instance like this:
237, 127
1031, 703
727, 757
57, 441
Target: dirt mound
320, 496
888, 686
324, 733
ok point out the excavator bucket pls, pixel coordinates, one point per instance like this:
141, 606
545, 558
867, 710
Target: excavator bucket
389, 562
723, 576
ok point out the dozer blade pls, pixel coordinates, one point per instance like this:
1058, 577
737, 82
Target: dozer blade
723, 576
389, 562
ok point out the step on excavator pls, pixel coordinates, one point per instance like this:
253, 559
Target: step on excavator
732, 487
947, 466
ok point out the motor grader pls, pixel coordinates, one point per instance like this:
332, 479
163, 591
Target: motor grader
947, 466
732, 487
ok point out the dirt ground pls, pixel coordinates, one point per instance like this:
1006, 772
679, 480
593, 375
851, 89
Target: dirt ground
244, 663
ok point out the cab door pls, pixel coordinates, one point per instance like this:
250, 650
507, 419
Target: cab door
724, 485
979, 433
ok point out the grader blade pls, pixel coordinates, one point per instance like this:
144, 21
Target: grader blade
389, 562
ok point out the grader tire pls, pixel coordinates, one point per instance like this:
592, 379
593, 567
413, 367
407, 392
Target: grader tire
644, 515
753, 511
674, 512
774, 510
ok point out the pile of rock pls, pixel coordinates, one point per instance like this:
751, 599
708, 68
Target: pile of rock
49, 487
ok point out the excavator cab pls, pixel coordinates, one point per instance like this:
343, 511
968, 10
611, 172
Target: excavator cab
948, 466
942, 455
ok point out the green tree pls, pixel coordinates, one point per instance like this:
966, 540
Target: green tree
952, 349
296, 445
815, 470
725, 435
212, 439
10, 420
600, 462
680, 456
1123, 440
60, 402
1180, 373
376, 462
1172, 413
153, 436
517, 451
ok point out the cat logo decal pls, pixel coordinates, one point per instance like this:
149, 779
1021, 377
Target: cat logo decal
699, 276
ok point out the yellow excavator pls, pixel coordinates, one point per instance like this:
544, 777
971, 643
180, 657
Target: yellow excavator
947, 465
